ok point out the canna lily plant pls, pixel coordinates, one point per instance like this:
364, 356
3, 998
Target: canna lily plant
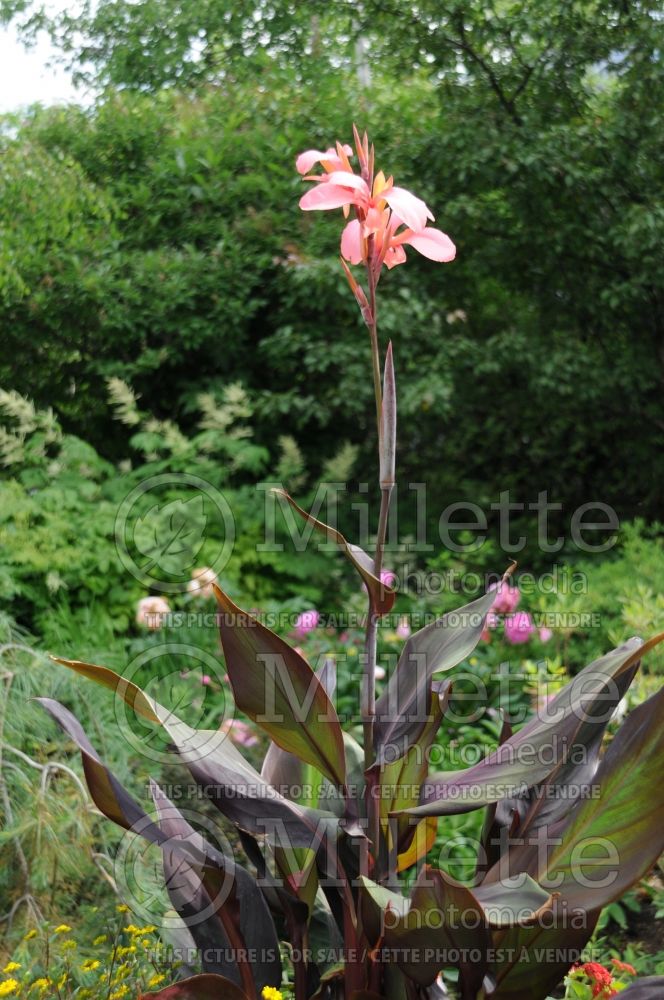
333, 830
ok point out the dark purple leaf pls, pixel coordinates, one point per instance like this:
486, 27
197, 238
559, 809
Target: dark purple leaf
382, 598
570, 720
277, 688
403, 708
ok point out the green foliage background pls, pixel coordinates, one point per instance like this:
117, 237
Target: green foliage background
154, 237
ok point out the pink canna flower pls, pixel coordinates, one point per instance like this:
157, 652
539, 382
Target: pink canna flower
519, 627
387, 217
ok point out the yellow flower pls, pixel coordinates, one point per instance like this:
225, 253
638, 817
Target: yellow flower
102, 939
269, 993
8, 987
41, 984
90, 964
119, 994
122, 908
12, 967
62, 929
132, 929
156, 980
68, 945
30, 935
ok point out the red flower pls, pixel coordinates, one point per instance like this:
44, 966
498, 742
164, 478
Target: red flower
623, 966
600, 978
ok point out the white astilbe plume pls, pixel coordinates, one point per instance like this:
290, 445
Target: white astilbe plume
124, 401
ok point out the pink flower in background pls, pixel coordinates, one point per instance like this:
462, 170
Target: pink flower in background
381, 208
388, 578
201, 582
206, 679
379, 673
545, 634
519, 627
403, 628
507, 598
306, 622
240, 732
151, 612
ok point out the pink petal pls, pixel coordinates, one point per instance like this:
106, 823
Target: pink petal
345, 179
394, 256
351, 243
325, 196
310, 157
412, 210
432, 244
306, 160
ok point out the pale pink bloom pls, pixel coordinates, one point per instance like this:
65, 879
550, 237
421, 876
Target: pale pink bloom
388, 578
403, 628
151, 612
344, 637
545, 634
306, 622
206, 679
379, 673
507, 597
380, 207
201, 582
239, 732
519, 627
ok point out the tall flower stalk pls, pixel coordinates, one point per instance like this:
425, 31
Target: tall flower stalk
386, 219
